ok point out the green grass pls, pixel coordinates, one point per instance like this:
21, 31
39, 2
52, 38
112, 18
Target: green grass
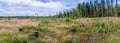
85, 30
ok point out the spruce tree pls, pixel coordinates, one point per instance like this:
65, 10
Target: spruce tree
116, 8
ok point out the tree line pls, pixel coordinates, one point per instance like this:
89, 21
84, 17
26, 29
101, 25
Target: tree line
104, 8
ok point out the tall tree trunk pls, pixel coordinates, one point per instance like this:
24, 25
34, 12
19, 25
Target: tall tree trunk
116, 8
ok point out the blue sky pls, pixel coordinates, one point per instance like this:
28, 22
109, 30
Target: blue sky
41, 7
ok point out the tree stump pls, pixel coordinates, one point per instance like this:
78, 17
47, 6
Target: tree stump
20, 29
36, 33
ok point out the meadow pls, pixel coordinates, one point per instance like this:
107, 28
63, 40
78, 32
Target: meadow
60, 30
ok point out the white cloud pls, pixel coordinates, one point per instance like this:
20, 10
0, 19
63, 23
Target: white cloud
33, 3
119, 2
83, 1
2, 10
14, 8
30, 7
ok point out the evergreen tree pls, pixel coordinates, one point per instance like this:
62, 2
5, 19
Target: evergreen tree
91, 9
108, 7
87, 10
104, 8
79, 10
116, 8
84, 9
112, 12
95, 8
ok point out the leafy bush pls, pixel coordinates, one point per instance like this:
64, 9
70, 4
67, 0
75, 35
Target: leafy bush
43, 22
19, 41
74, 29
68, 20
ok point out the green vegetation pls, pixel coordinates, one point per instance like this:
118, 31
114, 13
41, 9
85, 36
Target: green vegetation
104, 8
67, 27
83, 30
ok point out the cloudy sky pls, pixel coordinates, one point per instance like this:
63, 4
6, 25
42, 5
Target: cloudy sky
41, 7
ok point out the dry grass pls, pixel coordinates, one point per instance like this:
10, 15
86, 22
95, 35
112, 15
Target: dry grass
60, 31
17, 23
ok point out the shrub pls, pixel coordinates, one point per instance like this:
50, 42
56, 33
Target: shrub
20, 29
43, 22
36, 33
74, 29
81, 25
19, 40
68, 20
